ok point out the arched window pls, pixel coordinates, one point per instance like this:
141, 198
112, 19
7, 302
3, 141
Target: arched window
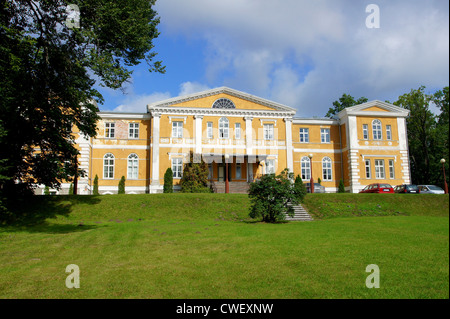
326, 169
376, 130
223, 103
133, 166
224, 127
108, 166
306, 168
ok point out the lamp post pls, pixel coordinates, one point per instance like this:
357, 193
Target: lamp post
227, 186
311, 181
443, 171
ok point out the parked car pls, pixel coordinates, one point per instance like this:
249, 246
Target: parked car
317, 188
431, 189
378, 188
410, 189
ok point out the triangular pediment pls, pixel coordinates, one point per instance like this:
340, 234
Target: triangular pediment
222, 98
374, 108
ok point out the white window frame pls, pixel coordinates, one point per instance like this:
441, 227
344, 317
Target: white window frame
108, 166
305, 165
224, 128
391, 169
133, 130
237, 131
377, 130
209, 130
110, 130
389, 132
270, 166
268, 132
325, 135
177, 129
177, 167
304, 134
133, 166
365, 131
367, 167
379, 169
327, 169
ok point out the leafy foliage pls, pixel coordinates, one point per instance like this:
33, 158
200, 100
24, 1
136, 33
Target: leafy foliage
95, 192
345, 101
48, 73
168, 181
341, 188
195, 176
273, 195
121, 186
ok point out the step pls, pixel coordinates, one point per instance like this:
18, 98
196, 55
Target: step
300, 214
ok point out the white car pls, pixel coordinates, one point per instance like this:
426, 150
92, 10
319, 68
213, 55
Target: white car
430, 189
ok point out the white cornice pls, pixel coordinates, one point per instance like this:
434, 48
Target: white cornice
124, 116
220, 90
390, 110
314, 121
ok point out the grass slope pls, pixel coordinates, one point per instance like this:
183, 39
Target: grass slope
204, 246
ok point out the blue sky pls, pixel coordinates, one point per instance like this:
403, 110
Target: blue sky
304, 54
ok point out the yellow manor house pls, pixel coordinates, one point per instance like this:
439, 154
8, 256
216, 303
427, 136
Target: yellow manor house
247, 136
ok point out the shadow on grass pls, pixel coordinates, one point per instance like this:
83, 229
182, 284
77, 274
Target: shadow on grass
33, 213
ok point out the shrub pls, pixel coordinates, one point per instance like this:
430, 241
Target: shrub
271, 195
341, 187
46, 190
168, 181
71, 189
195, 177
300, 188
96, 185
121, 186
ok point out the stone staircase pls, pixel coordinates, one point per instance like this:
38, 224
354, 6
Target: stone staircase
300, 214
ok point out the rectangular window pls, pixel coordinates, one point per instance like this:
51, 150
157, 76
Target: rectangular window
304, 135
367, 164
177, 167
325, 135
238, 171
209, 130
365, 131
237, 131
388, 133
210, 171
268, 132
133, 130
391, 169
177, 129
110, 130
379, 169
270, 166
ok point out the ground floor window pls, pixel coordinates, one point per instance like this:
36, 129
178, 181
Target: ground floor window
379, 169
133, 166
270, 166
238, 171
326, 169
367, 165
177, 167
391, 169
306, 168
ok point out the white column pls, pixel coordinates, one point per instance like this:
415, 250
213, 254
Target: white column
352, 135
289, 146
198, 133
83, 163
249, 134
155, 148
404, 152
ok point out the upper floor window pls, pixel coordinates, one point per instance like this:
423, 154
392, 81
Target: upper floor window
133, 166
237, 131
110, 129
177, 129
268, 131
224, 126
325, 135
108, 166
223, 103
388, 132
365, 131
376, 130
304, 135
209, 130
133, 130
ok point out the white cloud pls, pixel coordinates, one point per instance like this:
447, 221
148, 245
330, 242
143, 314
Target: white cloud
138, 103
188, 87
306, 54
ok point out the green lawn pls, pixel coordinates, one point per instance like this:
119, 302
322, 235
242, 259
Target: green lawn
205, 246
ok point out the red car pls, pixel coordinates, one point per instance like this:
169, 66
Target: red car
378, 188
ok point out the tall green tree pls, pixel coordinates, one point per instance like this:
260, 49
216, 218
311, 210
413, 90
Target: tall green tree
427, 134
49, 67
168, 181
344, 101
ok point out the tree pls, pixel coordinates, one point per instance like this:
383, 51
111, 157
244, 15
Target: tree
441, 100
168, 181
71, 189
121, 186
49, 69
345, 101
272, 196
96, 185
341, 188
423, 145
195, 176
300, 187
